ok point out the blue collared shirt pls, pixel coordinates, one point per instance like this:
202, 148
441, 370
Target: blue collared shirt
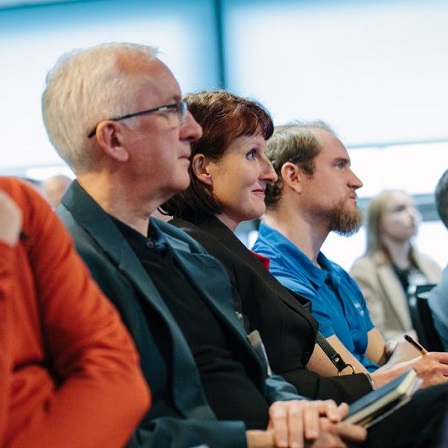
337, 302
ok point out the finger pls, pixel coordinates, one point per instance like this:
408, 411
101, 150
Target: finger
278, 416
351, 433
441, 357
311, 422
343, 410
330, 409
297, 424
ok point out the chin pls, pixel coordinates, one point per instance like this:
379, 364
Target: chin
182, 182
254, 215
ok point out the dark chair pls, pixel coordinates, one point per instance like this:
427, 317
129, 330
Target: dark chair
422, 318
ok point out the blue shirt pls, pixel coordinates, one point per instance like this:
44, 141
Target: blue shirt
337, 302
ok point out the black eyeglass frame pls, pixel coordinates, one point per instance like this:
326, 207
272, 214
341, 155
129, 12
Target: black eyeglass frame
180, 106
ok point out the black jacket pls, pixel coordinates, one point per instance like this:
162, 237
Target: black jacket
287, 329
179, 416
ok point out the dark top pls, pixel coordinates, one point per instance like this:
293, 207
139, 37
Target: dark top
409, 278
403, 276
288, 330
228, 387
180, 415
187, 420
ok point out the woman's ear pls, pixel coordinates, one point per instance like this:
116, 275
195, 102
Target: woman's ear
291, 176
199, 166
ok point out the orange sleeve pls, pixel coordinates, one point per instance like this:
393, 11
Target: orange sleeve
98, 394
6, 260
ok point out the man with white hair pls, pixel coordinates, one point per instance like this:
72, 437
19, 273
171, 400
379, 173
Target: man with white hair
115, 114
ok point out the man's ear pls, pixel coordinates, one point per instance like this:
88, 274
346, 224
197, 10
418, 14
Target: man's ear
111, 140
199, 166
292, 176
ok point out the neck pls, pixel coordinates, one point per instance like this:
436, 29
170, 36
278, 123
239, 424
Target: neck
228, 222
119, 201
399, 252
300, 229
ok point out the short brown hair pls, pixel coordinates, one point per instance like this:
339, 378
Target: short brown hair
223, 117
295, 143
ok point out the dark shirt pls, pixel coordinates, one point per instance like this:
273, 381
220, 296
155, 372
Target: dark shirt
403, 276
227, 385
409, 278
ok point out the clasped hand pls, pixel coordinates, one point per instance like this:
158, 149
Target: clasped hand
302, 423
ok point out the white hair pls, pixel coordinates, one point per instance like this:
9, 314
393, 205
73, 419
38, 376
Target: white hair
87, 86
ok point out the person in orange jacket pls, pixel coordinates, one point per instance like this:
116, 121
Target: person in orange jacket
69, 372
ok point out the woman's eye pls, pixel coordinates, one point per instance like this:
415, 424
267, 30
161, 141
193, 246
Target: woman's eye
251, 154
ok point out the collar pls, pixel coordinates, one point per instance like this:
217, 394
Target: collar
155, 240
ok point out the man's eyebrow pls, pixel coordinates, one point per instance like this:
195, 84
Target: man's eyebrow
344, 160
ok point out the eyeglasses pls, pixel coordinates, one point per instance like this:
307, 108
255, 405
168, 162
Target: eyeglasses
180, 107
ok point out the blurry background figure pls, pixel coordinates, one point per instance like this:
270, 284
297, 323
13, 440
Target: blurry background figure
54, 188
438, 297
392, 266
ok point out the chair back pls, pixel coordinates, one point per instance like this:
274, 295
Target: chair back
422, 320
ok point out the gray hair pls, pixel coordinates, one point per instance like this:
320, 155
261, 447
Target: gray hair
87, 86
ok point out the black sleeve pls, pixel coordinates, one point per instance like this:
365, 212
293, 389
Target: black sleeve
344, 388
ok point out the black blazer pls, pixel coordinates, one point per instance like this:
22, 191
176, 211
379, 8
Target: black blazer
180, 415
287, 329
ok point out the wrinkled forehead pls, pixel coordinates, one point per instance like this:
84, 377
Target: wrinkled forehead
163, 81
152, 77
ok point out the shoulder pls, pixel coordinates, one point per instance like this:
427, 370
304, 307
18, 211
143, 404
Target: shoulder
363, 266
193, 230
428, 265
216, 238
24, 193
178, 238
347, 281
38, 219
365, 260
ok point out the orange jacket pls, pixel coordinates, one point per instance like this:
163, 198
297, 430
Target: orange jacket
69, 372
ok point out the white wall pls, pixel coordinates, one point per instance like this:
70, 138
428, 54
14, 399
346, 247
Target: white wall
376, 70
31, 40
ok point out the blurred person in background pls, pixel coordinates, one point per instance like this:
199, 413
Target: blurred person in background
54, 187
392, 266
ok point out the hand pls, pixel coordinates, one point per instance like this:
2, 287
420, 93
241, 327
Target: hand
338, 435
330, 436
399, 350
432, 368
297, 421
10, 220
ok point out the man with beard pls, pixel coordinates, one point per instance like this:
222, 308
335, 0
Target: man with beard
315, 194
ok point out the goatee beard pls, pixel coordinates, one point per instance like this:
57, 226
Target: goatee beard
344, 221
